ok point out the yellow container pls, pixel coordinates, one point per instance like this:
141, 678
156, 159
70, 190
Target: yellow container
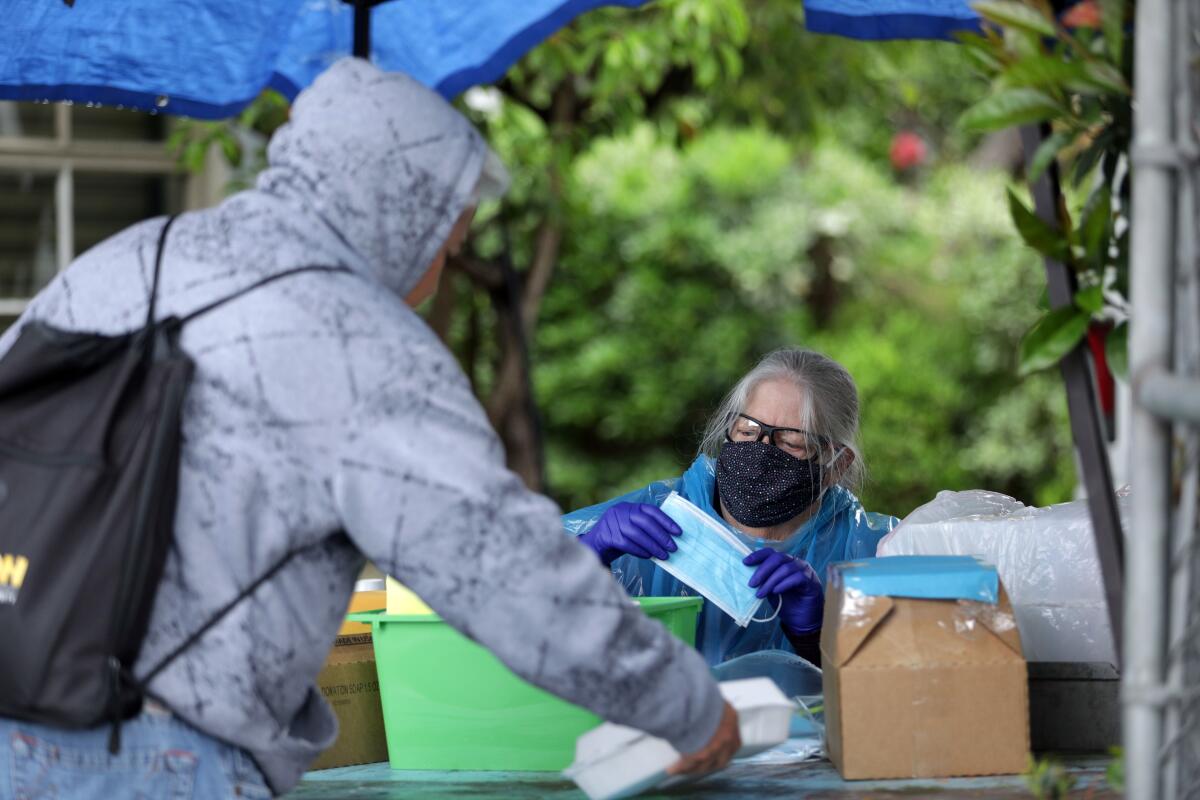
369, 595
402, 601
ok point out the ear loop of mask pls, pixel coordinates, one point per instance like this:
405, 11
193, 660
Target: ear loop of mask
771, 618
837, 457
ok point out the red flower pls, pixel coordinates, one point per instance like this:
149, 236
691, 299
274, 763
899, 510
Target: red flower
1082, 15
907, 151
1096, 337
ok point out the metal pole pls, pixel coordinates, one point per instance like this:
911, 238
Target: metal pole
1151, 258
64, 216
1180, 771
1171, 397
1083, 406
362, 26
362, 29
64, 191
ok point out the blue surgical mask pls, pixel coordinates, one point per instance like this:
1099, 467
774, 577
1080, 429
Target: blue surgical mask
709, 560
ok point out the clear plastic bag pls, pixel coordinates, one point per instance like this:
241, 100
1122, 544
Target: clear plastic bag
799, 680
794, 676
1046, 558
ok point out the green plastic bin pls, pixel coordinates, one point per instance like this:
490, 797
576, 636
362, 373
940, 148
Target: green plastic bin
449, 704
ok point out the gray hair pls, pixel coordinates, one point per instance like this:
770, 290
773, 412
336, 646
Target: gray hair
830, 408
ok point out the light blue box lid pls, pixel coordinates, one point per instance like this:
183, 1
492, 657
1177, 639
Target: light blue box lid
924, 577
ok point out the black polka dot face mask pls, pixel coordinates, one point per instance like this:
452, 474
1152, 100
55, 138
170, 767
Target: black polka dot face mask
763, 486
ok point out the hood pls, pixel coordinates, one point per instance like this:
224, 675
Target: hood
384, 162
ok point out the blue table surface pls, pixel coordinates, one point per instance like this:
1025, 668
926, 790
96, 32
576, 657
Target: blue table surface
813, 779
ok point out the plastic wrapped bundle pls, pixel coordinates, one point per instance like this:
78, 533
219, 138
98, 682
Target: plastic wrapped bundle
1046, 558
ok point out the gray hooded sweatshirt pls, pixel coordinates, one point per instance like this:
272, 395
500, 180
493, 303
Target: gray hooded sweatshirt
325, 414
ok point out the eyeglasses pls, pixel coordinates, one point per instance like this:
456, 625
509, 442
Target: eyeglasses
792, 441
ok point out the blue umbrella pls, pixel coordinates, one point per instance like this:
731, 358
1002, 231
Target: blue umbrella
210, 59
891, 19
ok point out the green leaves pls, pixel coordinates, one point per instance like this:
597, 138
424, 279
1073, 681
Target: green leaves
192, 139
1090, 299
1059, 330
1036, 233
1012, 14
267, 113
1052, 337
1046, 152
232, 150
1009, 107
1112, 12
1047, 779
1042, 71
1095, 228
1116, 351
1105, 76
1054, 74
982, 49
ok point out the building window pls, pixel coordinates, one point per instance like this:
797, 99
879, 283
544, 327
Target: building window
71, 176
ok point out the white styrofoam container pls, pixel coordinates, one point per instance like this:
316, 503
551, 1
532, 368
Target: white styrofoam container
614, 761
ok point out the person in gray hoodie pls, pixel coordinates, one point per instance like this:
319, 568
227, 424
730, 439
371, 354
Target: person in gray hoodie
326, 417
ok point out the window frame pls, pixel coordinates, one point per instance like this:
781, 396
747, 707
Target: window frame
62, 155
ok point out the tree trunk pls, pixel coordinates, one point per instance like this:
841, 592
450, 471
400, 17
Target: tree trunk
824, 293
512, 407
509, 393
442, 313
1000, 150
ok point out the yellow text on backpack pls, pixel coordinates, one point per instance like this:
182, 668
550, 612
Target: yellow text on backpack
12, 570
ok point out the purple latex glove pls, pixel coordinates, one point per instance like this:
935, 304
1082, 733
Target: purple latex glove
638, 529
797, 585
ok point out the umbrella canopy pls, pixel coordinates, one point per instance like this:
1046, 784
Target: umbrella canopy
210, 59
890, 19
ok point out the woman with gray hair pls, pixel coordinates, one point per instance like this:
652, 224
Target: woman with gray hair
777, 465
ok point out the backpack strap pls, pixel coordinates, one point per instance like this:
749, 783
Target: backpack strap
158, 257
256, 285
124, 676
143, 682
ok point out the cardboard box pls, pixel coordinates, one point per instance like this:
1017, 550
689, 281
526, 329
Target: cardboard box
932, 685
350, 685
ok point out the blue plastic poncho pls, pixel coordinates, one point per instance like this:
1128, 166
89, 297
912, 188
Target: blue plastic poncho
840, 530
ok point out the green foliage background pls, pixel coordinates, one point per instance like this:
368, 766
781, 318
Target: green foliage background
686, 264
721, 182
751, 205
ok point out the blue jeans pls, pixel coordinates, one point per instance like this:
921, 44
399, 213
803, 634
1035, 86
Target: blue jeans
161, 758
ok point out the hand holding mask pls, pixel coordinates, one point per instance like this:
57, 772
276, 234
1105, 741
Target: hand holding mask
801, 599
636, 529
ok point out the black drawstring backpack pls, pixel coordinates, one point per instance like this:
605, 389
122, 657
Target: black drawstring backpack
89, 468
